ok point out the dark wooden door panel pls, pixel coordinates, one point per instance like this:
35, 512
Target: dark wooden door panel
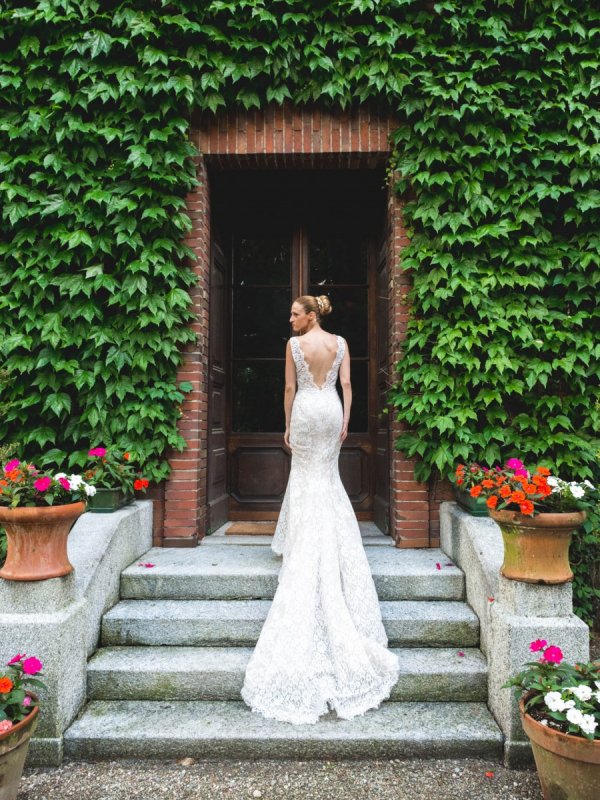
381, 504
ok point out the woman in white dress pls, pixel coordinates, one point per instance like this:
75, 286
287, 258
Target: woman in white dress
323, 646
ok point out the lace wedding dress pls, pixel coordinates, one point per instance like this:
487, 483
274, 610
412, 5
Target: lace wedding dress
323, 646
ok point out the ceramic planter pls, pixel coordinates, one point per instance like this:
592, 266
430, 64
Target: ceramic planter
14, 745
475, 506
37, 541
107, 500
568, 766
536, 549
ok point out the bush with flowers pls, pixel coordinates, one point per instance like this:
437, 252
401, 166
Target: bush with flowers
22, 485
561, 696
112, 468
17, 682
469, 475
531, 491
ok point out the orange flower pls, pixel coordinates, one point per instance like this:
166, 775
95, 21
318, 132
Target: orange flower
487, 483
543, 471
522, 479
538, 480
530, 488
475, 491
13, 474
545, 490
459, 481
126, 456
492, 501
505, 491
3, 482
517, 497
460, 469
5, 685
526, 507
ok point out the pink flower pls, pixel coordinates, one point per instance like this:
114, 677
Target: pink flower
553, 655
438, 566
148, 565
27, 701
97, 451
539, 644
65, 484
42, 484
31, 666
521, 471
12, 465
514, 463
15, 659
5, 725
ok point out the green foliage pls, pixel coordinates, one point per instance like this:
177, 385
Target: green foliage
495, 150
584, 555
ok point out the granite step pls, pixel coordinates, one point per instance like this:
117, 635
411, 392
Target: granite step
217, 673
233, 623
218, 571
109, 730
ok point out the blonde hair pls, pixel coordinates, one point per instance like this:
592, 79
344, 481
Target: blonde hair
321, 305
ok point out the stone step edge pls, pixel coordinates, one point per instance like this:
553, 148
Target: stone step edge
108, 730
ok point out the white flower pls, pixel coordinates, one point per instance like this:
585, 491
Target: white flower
575, 716
597, 695
581, 692
76, 481
60, 475
554, 483
88, 489
588, 724
576, 491
597, 684
554, 701
543, 722
588, 483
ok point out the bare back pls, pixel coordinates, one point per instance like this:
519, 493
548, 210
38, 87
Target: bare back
319, 349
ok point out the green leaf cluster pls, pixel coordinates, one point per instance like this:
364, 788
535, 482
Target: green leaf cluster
496, 156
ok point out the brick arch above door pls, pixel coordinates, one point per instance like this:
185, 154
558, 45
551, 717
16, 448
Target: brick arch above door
275, 138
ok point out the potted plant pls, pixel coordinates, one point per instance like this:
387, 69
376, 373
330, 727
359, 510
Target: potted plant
560, 712
19, 707
537, 513
37, 511
465, 477
115, 478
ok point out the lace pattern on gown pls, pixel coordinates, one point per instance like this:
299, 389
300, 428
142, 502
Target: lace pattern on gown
323, 645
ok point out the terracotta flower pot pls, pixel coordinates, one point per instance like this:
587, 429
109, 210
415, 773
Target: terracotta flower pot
536, 549
37, 541
568, 766
14, 745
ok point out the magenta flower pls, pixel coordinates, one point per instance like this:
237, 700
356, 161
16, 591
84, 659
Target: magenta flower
553, 655
12, 465
42, 484
521, 471
27, 701
538, 645
97, 451
15, 659
514, 463
65, 484
31, 666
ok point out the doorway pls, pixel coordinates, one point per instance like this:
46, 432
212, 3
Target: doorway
278, 234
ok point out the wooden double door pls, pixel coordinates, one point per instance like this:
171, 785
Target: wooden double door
296, 236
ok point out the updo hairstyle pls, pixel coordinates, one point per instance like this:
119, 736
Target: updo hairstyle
321, 305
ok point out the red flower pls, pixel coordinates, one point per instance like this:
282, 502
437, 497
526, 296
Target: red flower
126, 456
526, 507
137, 485
492, 501
517, 497
530, 488
459, 481
487, 483
5, 685
505, 491
475, 491
553, 654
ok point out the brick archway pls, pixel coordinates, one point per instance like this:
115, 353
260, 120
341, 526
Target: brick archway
284, 137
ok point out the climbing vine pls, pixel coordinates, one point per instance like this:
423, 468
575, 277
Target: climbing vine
496, 152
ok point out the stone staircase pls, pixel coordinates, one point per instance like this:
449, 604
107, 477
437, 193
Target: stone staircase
165, 682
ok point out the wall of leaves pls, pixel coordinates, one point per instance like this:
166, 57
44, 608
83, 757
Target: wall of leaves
497, 156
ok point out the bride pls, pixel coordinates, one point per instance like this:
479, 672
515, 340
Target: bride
323, 646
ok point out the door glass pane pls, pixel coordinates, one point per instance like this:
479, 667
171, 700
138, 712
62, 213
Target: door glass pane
359, 414
341, 260
258, 396
264, 261
260, 322
349, 317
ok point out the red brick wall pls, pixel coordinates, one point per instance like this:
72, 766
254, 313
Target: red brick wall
288, 137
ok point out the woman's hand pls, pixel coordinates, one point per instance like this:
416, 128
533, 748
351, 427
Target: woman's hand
344, 431
286, 439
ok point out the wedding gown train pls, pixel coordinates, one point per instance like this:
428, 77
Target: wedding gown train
323, 646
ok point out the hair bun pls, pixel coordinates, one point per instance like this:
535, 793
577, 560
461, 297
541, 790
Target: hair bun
324, 304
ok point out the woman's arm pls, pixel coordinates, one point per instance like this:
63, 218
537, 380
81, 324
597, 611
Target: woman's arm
290, 390
346, 391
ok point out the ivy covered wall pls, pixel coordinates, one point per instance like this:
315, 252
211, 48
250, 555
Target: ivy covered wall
497, 156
